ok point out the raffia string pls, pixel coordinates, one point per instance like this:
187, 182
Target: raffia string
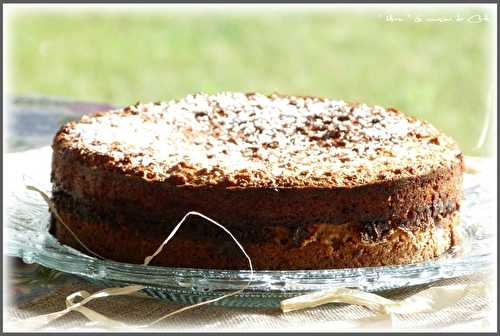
429, 300
102, 320
53, 209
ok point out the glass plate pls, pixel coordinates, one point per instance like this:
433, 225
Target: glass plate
28, 238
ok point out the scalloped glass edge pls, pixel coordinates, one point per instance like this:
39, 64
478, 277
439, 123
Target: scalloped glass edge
29, 239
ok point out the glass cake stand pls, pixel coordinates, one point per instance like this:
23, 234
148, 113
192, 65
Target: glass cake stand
27, 237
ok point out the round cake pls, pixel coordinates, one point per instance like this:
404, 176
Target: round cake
302, 183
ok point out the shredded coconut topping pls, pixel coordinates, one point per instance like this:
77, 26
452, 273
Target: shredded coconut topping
253, 140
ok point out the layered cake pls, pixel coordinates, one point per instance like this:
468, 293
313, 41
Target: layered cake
302, 183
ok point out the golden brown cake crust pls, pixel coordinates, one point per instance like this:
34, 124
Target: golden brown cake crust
262, 167
252, 140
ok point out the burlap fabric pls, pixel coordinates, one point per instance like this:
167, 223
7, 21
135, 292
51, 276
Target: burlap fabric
470, 312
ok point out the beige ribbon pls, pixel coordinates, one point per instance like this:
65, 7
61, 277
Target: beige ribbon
102, 320
429, 300
53, 209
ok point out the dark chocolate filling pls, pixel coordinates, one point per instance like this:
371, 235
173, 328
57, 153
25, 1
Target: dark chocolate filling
247, 230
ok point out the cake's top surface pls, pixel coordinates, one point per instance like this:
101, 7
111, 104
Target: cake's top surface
253, 140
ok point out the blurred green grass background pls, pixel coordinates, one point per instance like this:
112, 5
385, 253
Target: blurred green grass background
434, 71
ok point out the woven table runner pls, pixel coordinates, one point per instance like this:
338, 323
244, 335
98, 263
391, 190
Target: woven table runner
472, 311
